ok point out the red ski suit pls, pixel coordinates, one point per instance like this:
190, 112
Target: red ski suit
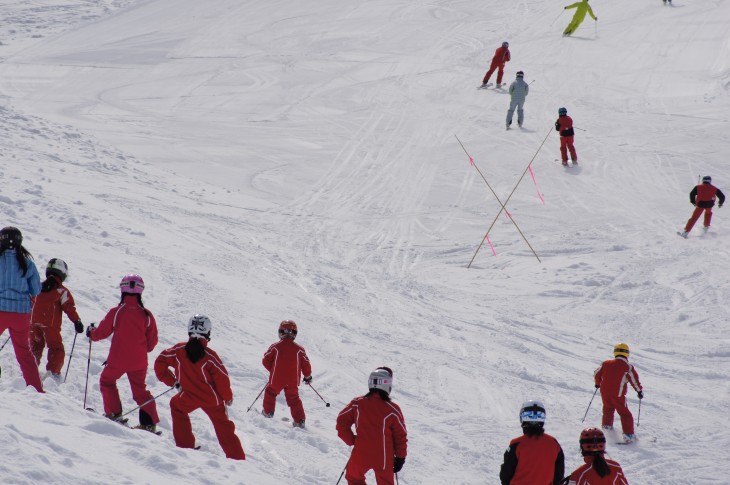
286, 362
501, 56
380, 436
134, 334
586, 475
533, 460
564, 125
703, 198
204, 385
613, 376
45, 324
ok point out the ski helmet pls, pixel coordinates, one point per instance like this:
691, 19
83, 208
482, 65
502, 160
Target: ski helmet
706, 179
58, 268
562, 111
10, 237
288, 329
592, 442
132, 283
505, 44
381, 378
532, 412
621, 350
520, 74
199, 326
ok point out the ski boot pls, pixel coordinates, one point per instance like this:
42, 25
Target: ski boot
629, 438
299, 424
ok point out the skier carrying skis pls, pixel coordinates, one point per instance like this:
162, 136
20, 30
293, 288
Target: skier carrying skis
380, 439
612, 378
535, 457
47, 316
202, 380
581, 8
135, 335
518, 91
597, 470
703, 198
286, 362
564, 125
19, 282
501, 56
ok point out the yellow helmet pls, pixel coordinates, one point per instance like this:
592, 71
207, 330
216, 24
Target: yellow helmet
621, 350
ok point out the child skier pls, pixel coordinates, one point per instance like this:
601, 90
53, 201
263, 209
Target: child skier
535, 457
703, 198
597, 470
46, 317
380, 439
518, 91
564, 125
611, 377
286, 362
135, 335
501, 56
580, 14
19, 282
202, 379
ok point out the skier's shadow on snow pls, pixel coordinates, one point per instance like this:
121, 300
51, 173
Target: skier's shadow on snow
577, 37
527, 130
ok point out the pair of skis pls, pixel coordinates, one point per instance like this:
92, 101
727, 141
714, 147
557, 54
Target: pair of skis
488, 85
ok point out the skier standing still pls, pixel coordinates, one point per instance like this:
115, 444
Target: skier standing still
564, 125
518, 91
582, 8
703, 198
613, 377
501, 56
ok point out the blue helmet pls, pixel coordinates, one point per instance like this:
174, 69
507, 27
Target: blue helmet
562, 111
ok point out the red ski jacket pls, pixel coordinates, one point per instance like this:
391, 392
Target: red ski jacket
533, 460
48, 305
286, 362
565, 126
501, 55
380, 431
204, 383
586, 475
614, 374
134, 334
704, 195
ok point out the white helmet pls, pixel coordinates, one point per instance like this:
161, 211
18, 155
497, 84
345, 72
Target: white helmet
199, 326
532, 412
381, 378
58, 267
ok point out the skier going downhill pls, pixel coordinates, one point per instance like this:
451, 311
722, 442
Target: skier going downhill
613, 377
703, 198
564, 125
202, 381
535, 457
597, 469
501, 56
581, 8
518, 91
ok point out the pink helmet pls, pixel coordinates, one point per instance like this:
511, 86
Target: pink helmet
132, 283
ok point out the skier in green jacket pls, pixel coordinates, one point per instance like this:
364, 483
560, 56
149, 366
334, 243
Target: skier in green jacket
580, 13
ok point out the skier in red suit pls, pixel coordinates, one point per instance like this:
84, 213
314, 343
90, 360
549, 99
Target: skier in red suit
535, 458
703, 198
564, 125
46, 317
501, 56
203, 383
286, 362
612, 378
597, 470
134, 335
380, 439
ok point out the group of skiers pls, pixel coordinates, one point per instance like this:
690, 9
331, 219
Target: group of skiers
537, 458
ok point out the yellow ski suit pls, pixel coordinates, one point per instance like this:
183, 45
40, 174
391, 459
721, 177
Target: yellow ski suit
580, 14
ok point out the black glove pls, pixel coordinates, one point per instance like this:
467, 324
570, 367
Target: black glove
720, 205
307, 379
89, 329
598, 386
398, 464
79, 326
640, 394
177, 386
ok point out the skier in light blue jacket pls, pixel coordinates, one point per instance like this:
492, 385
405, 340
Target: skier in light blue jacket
518, 92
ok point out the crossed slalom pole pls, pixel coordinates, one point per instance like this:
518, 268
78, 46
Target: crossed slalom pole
502, 205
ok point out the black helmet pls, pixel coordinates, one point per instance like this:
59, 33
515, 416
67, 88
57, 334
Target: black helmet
520, 74
505, 44
10, 238
706, 179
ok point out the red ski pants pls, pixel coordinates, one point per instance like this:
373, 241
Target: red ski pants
492, 68
617, 404
225, 430
42, 335
291, 393
110, 394
696, 215
566, 144
19, 326
356, 471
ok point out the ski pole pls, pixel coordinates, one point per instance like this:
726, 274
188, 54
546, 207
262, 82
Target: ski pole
71, 356
8, 340
88, 364
257, 397
144, 403
343, 470
589, 405
638, 417
315, 391
556, 18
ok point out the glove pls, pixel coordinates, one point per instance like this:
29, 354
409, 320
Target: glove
398, 464
640, 394
79, 326
229, 403
177, 386
720, 205
598, 386
307, 379
89, 329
